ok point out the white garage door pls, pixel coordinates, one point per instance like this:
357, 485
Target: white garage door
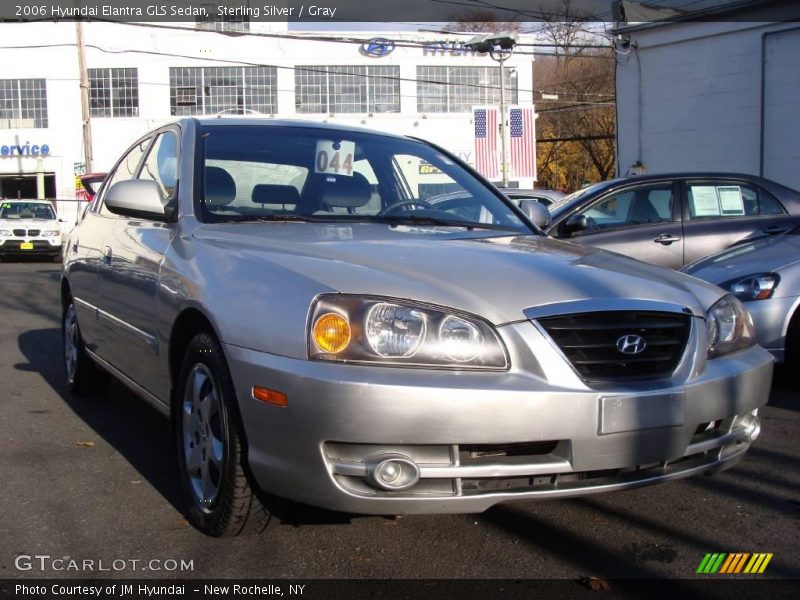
781, 153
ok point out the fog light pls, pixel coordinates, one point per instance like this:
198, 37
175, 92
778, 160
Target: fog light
392, 472
753, 428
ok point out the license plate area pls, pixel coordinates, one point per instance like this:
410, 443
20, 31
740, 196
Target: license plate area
26, 246
641, 411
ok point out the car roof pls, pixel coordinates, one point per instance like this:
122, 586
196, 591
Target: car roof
298, 123
20, 200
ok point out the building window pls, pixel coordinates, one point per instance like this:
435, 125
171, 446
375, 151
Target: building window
347, 89
23, 103
458, 89
232, 23
113, 93
212, 90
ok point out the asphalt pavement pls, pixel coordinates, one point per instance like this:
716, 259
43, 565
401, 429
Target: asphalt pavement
94, 479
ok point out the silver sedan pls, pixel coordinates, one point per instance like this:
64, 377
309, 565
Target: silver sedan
318, 330
765, 275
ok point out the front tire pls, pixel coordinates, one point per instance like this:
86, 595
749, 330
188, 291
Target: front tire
210, 443
83, 377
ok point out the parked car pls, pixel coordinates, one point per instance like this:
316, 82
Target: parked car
765, 275
546, 197
317, 330
29, 227
674, 219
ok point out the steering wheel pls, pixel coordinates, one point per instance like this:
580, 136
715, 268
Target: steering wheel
410, 202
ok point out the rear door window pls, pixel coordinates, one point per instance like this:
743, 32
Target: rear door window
729, 200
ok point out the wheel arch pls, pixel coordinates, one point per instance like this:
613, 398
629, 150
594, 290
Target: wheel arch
188, 324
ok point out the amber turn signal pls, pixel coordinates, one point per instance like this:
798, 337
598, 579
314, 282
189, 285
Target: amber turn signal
331, 333
270, 396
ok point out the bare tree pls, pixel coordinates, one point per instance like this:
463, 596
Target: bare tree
479, 21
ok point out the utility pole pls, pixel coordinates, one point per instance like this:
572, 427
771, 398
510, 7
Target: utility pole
84, 79
501, 58
499, 46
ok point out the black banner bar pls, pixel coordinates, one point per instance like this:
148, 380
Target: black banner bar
707, 587
390, 11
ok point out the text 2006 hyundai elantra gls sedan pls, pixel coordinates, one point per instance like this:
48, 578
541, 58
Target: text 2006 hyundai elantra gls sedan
317, 330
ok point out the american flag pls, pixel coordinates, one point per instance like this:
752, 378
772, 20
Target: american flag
486, 141
523, 141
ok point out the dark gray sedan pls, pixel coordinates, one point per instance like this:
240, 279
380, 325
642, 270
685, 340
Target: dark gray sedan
674, 219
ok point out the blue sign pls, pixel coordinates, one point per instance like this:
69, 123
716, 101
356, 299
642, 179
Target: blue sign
377, 47
24, 150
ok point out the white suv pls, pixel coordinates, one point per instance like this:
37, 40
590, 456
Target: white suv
29, 227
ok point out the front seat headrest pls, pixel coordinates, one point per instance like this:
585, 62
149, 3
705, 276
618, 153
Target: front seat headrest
220, 189
345, 192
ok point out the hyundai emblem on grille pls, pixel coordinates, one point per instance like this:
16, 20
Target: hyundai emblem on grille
631, 344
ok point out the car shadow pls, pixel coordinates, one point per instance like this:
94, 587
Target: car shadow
128, 424
140, 433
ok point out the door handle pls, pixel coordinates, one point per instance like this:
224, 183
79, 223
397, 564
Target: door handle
666, 239
776, 229
107, 255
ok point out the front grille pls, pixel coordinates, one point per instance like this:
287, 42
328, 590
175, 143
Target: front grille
589, 341
19, 232
33, 232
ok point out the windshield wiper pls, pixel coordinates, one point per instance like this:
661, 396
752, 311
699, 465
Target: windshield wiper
274, 219
423, 220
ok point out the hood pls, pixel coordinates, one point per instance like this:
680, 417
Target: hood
763, 256
30, 224
491, 274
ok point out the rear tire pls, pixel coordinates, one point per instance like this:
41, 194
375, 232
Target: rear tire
210, 445
83, 376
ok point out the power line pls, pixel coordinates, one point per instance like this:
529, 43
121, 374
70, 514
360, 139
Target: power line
307, 69
398, 42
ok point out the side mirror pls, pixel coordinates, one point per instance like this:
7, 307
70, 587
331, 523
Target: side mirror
139, 198
575, 223
536, 212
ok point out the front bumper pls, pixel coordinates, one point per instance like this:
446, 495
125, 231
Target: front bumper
483, 438
26, 246
771, 321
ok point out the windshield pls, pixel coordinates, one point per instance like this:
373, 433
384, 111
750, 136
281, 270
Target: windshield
26, 210
307, 174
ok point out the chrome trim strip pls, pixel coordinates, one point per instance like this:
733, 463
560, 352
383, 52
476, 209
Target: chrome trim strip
85, 305
548, 466
739, 433
135, 387
148, 339
603, 305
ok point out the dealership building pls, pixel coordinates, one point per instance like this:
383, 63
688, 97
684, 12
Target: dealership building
142, 75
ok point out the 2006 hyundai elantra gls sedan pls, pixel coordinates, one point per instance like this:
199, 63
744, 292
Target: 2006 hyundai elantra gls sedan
317, 330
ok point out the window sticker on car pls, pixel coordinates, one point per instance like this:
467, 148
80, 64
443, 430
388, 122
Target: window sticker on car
730, 200
334, 157
706, 202
334, 232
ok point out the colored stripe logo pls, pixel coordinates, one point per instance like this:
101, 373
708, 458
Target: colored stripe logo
734, 563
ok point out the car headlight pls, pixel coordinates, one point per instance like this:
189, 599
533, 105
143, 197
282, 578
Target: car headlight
5, 233
730, 327
363, 329
51, 233
759, 286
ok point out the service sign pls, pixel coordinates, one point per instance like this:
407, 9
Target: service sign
334, 158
